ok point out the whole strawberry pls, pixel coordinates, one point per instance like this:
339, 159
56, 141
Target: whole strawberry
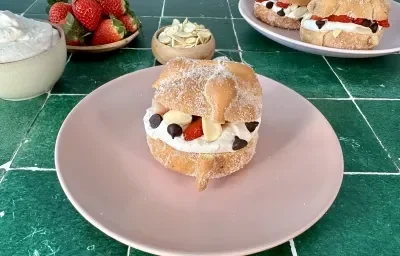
58, 12
109, 31
131, 22
73, 30
114, 7
88, 13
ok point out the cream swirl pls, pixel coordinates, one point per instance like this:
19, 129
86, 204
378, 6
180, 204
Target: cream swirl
222, 145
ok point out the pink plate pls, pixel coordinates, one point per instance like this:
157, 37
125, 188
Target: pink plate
105, 168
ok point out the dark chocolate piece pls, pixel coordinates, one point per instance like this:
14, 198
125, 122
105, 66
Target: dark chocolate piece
251, 126
281, 13
155, 120
320, 23
269, 5
374, 27
174, 130
238, 143
366, 23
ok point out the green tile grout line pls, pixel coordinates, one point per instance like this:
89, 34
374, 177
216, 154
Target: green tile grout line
234, 30
362, 114
23, 13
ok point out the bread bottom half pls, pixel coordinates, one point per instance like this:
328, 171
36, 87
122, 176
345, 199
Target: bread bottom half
272, 18
202, 166
345, 40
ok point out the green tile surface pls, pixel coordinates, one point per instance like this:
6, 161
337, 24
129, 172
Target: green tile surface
307, 74
361, 150
84, 73
38, 148
364, 220
370, 79
39, 220
252, 40
386, 127
199, 8
16, 118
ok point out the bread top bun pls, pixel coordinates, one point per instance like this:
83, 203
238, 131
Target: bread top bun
296, 2
216, 90
365, 9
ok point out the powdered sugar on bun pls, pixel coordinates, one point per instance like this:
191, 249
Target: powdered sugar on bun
214, 89
364, 9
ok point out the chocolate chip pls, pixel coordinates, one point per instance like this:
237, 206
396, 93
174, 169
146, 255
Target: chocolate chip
366, 23
251, 126
300, 19
238, 143
174, 130
374, 27
281, 12
155, 120
269, 5
320, 23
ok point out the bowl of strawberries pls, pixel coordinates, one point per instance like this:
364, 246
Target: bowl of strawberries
95, 26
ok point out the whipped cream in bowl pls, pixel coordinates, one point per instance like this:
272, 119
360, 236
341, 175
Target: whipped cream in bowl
22, 38
222, 145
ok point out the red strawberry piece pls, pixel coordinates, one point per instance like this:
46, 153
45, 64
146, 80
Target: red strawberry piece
73, 30
131, 22
114, 7
109, 31
88, 13
58, 12
193, 131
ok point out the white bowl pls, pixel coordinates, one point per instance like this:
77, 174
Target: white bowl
29, 78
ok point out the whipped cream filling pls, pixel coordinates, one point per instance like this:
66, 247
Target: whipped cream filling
222, 145
22, 38
293, 11
310, 24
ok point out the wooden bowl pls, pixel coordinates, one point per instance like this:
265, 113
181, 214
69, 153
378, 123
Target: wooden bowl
104, 47
164, 53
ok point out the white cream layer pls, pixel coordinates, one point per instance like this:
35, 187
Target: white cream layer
22, 38
309, 24
293, 11
222, 145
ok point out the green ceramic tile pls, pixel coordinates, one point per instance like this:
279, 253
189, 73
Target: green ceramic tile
378, 77
251, 40
221, 28
234, 4
364, 220
39, 220
14, 6
199, 8
37, 16
84, 73
16, 117
361, 150
232, 55
384, 117
38, 149
146, 8
143, 40
39, 7
307, 74
135, 252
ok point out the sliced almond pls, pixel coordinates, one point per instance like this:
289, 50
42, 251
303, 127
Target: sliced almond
178, 39
177, 117
212, 131
336, 32
175, 22
163, 38
183, 34
190, 40
158, 108
189, 27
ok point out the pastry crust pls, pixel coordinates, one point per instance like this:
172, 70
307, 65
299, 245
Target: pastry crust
272, 18
296, 2
216, 90
345, 40
202, 166
364, 9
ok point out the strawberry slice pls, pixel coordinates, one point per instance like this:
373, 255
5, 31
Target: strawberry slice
193, 131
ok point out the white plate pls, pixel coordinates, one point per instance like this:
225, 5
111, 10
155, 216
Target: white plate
390, 42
